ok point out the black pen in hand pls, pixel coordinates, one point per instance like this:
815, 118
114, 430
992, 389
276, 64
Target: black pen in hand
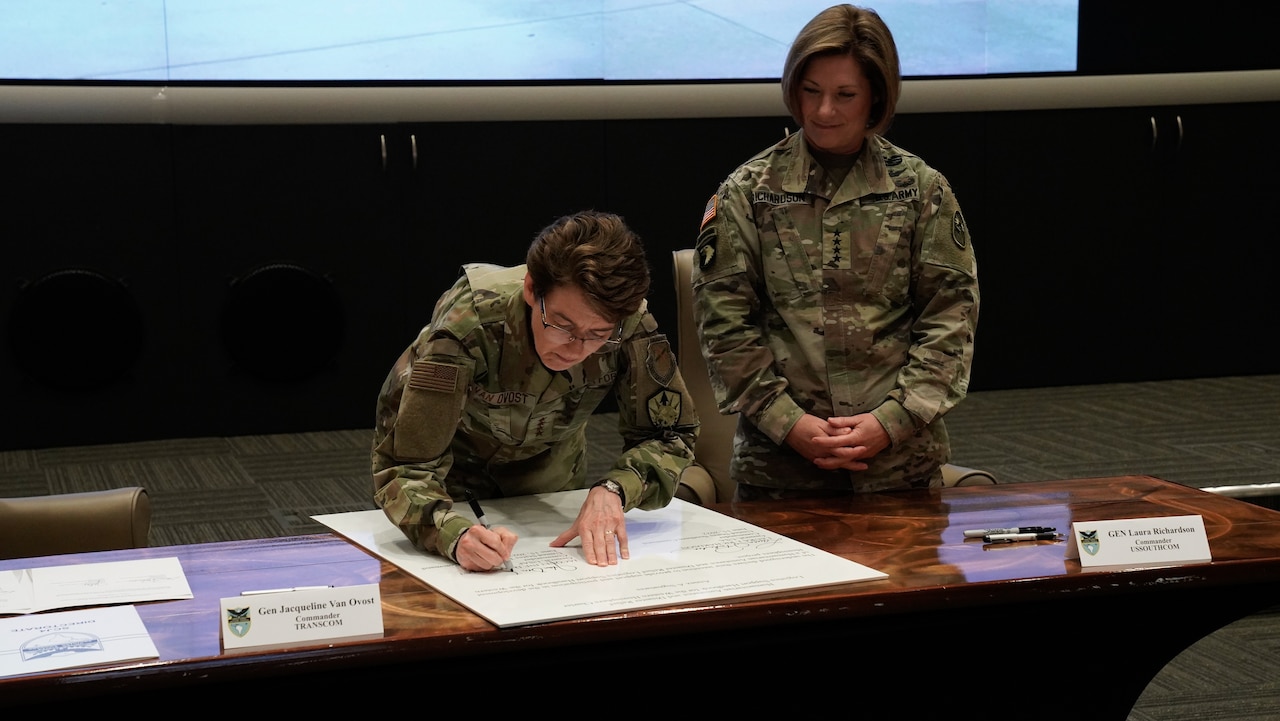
476, 509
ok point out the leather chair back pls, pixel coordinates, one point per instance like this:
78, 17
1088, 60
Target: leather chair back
715, 437
74, 522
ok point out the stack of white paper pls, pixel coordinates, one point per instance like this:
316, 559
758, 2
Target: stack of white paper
69, 639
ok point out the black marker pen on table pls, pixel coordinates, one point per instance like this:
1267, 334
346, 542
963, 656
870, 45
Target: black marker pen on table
1014, 537
980, 532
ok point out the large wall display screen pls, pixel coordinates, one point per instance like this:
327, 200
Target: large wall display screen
500, 41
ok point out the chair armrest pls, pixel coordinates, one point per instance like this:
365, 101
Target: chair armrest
953, 475
696, 486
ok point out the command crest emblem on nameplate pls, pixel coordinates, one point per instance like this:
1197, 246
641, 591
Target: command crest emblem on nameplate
238, 621
1089, 542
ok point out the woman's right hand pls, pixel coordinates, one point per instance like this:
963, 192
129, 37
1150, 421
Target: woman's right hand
804, 439
484, 549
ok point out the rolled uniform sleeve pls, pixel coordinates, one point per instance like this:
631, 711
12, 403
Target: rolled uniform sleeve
419, 408
656, 419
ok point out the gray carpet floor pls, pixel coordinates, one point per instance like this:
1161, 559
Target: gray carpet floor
1221, 434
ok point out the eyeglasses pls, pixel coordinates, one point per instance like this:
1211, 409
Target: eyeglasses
564, 335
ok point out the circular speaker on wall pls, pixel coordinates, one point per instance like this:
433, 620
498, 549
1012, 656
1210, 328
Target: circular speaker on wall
76, 329
282, 322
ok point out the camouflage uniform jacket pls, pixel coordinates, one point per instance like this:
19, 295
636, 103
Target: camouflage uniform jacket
836, 300
469, 405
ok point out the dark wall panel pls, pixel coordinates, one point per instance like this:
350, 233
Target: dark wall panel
86, 283
1156, 36
661, 174
290, 238
218, 280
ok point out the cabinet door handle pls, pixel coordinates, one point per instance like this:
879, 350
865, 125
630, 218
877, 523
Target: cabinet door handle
1155, 134
413, 143
1179, 119
382, 141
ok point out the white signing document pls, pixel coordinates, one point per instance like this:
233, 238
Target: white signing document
679, 554
70, 639
29, 590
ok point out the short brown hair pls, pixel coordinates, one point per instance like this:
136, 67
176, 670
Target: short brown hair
855, 31
596, 252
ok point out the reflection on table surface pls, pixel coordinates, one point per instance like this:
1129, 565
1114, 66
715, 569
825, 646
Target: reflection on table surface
916, 537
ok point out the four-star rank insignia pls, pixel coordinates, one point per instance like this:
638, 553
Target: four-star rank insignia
238, 621
1089, 542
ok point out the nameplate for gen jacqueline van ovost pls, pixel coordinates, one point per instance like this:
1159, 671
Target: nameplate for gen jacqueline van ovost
292, 617
1168, 540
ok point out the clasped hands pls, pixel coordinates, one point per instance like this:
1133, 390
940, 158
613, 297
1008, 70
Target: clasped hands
838, 443
600, 524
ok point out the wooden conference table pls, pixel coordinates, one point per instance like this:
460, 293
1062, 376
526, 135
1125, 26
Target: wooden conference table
958, 627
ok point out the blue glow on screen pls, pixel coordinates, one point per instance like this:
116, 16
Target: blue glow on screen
501, 40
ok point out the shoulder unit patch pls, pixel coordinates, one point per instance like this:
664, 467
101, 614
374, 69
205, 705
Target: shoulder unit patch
665, 407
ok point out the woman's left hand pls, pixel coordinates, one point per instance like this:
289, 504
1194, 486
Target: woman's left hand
602, 527
852, 442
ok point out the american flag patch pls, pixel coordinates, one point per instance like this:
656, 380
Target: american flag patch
429, 376
709, 213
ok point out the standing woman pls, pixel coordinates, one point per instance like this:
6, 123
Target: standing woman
836, 290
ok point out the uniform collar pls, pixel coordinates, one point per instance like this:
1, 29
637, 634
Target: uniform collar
868, 176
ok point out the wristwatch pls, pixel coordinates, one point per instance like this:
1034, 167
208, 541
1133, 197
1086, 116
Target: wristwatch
613, 486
